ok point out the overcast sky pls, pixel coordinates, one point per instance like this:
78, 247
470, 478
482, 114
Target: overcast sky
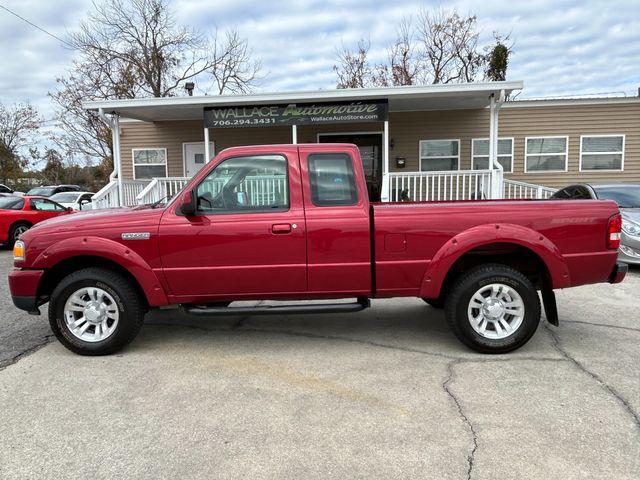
562, 47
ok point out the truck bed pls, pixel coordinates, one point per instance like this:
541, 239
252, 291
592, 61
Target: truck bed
418, 238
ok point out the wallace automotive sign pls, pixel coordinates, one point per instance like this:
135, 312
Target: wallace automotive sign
295, 114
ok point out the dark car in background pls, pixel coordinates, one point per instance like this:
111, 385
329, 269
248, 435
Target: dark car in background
627, 196
47, 191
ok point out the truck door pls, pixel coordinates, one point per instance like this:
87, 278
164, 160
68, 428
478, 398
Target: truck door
247, 239
337, 213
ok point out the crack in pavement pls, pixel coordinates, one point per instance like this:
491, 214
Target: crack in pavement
463, 416
596, 377
26, 352
619, 327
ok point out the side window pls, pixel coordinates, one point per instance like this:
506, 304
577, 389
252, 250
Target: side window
244, 185
43, 205
332, 180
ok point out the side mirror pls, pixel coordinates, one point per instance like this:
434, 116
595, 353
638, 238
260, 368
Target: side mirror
69, 209
188, 204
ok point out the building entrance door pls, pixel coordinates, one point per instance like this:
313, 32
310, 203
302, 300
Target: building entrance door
370, 146
194, 157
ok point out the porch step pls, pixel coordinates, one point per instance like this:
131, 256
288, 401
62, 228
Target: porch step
215, 311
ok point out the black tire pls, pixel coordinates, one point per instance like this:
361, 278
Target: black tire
130, 307
457, 304
435, 302
12, 232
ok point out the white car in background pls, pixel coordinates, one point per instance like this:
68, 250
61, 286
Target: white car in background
75, 200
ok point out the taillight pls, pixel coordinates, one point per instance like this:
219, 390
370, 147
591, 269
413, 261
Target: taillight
614, 231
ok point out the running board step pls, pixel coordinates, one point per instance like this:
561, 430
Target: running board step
361, 304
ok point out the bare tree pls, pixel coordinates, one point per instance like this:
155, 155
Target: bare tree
82, 132
450, 46
433, 47
141, 39
18, 123
233, 68
136, 48
142, 35
404, 62
353, 68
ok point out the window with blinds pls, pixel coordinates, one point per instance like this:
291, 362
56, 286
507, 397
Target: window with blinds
602, 152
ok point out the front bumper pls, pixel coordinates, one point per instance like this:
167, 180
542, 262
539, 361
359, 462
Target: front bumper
619, 271
23, 285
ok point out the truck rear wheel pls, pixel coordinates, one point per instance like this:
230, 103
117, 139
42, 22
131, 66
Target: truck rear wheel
95, 311
493, 309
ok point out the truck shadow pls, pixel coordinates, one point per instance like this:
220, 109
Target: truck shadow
402, 324
385, 321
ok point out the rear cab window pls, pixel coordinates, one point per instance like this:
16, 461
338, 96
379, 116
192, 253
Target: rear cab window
332, 179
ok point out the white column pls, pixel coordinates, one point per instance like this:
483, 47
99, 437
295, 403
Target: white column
207, 149
497, 174
117, 158
294, 134
384, 195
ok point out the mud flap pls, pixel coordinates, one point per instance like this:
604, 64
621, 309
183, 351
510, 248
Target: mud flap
550, 306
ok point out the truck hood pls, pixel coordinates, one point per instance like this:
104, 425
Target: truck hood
94, 221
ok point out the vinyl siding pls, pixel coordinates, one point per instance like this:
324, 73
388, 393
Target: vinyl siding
574, 121
172, 136
406, 129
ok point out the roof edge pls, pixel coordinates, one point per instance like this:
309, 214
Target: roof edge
560, 102
313, 95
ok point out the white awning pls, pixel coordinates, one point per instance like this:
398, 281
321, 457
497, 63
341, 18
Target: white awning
407, 98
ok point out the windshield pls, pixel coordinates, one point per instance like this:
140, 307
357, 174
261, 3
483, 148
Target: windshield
64, 197
42, 191
11, 203
626, 196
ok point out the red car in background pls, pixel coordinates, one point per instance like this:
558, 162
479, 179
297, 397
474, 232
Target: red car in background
19, 214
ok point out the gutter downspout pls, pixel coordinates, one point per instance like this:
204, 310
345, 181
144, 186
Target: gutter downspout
114, 123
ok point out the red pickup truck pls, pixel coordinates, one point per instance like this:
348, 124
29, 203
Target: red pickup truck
293, 222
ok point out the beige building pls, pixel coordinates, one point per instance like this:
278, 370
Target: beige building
430, 142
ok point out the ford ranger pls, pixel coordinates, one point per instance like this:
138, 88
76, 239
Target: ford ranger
294, 222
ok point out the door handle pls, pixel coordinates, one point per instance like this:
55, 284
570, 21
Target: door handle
280, 228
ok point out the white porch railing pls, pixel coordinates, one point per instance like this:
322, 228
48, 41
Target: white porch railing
107, 196
441, 185
160, 188
514, 189
259, 189
403, 186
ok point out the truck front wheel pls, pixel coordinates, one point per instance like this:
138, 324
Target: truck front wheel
493, 309
95, 311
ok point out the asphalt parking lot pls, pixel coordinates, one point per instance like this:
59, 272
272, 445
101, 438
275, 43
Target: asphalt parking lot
385, 393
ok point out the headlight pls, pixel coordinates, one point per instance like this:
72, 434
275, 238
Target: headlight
630, 228
18, 251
